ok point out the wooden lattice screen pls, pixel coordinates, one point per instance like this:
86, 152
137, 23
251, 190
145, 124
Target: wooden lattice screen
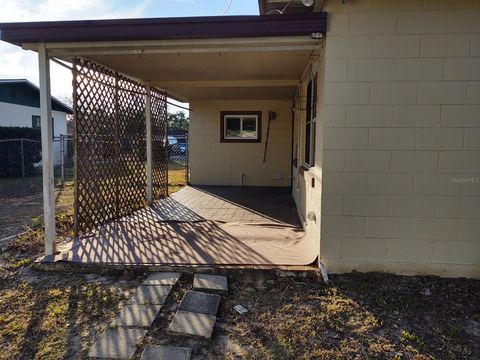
110, 145
159, 144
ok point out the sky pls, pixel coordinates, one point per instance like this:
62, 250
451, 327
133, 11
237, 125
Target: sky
18, 63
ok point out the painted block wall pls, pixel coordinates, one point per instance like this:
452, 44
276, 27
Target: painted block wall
19, 115
401, 154
307, 182
216, 163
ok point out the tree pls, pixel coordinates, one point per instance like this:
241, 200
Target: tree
177, 121
67, 100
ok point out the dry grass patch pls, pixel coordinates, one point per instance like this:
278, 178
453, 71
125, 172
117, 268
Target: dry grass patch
55, 316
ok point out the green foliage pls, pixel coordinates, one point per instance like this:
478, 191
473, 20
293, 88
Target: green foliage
10, 132
11, 151
178, 121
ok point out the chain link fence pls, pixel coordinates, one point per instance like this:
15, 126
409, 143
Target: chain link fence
177, 162
21, 165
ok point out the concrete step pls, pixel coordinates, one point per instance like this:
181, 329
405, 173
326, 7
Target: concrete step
210, 283
162, 278
136, 315
200, 302
160, 352
192, 324
117, 343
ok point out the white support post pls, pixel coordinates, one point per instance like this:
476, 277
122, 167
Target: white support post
148, 116
47, 159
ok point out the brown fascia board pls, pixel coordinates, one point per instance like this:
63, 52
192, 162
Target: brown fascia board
164, 28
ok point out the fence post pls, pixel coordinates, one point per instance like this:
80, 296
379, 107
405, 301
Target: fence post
22, 154
187, 159
62, 158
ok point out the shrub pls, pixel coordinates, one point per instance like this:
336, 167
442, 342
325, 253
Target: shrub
11, 151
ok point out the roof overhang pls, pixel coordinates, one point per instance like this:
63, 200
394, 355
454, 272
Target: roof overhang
246, 57
209, 27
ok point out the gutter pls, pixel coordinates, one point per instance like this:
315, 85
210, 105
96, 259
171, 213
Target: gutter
210, 27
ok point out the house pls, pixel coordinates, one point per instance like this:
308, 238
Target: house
20, 106
371, 110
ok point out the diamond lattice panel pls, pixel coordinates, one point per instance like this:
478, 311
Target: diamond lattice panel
110, 145
159, 144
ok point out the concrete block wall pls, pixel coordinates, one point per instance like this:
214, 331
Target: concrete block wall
216, 163
307, 182
401, 154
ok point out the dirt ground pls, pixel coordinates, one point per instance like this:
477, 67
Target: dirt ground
356, 316
19, 212
16, 213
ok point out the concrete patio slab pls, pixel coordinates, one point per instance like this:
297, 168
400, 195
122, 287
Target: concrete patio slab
213, 283
117, 343
192, 324
162, 278
159, 352
136, 315
150, 295
240, 236
199, 302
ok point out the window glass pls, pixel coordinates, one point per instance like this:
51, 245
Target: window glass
249, 127
307, 143
35, 121
241, 127
232, 127
310, 123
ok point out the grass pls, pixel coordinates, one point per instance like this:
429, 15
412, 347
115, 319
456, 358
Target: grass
357, 316
56, 316
12, 187
177, 176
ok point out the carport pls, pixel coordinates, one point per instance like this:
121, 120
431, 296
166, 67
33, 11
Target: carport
123, 71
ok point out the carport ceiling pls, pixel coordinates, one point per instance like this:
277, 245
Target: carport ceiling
230, 75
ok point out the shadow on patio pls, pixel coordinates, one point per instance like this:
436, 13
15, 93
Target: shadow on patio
200, 226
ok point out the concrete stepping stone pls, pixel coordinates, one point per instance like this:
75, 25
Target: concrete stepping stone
200, 302
150, 295
192, 324
160, 352
137, 315
162, 278
210, 283
117, 343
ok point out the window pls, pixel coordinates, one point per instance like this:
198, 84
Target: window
310, 123
244, 126
35, 121
36, 124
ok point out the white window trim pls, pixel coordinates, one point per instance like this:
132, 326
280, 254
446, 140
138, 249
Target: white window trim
242, 117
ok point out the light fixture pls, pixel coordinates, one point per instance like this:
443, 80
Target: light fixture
308, 2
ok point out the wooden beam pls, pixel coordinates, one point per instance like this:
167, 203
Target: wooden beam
226, 83
185, 50
47, 155
148, 116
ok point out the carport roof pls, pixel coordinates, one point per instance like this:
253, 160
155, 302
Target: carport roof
164, 28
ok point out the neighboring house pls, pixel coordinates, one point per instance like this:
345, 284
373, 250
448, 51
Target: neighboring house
374, 119
20, 106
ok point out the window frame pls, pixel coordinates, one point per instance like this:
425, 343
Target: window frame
310, 123
224, 115
36, 118
39, 118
